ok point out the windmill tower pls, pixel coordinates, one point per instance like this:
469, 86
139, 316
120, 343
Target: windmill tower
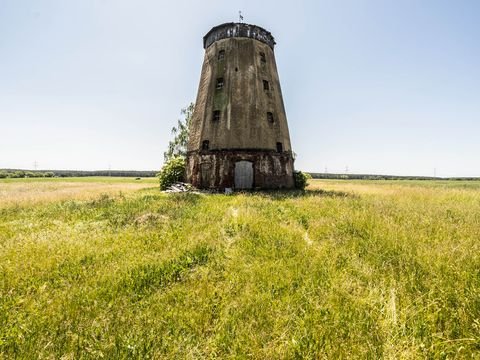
238, 132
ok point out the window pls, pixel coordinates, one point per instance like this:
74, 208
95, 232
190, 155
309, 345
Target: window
221, 55
216, 115
266, 85
205, 144
270, 117
219, 83
263, 59
279, 147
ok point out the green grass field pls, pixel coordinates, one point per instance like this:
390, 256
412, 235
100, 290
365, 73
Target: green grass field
112, 268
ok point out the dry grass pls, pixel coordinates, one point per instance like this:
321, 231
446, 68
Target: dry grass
18, 192
398, 188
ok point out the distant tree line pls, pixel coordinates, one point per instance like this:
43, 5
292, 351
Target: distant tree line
9, 174
16, 173
383, 177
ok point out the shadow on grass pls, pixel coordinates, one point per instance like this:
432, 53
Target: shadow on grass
150, 188
273, 194
190, 197
186, 197
289, 194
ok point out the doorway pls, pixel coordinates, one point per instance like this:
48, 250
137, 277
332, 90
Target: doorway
243, 175
205, 175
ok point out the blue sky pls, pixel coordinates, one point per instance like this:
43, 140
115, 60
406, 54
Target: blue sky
378, 86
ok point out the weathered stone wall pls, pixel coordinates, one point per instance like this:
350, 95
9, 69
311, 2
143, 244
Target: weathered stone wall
243, 103
250, 114
216, 169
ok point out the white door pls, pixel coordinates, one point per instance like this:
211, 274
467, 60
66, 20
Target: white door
243, 175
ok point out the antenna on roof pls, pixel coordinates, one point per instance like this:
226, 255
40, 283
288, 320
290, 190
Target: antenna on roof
240, 16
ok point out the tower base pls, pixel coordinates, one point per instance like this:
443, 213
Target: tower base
240, 169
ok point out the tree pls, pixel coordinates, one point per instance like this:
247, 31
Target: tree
301, 179
172, 171
178, 145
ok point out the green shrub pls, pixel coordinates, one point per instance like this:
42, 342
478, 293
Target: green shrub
172, 171
301, 179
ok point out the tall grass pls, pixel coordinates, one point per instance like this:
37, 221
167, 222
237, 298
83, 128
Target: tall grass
349, 269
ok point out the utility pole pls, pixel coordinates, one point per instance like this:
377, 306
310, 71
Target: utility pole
35, 165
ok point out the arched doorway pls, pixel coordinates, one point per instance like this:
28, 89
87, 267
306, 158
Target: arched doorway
243, 174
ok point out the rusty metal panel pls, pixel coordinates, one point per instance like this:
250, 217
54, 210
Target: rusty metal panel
229, 30
243, 175
206, 174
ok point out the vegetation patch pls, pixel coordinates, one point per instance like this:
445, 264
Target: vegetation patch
146, 278
343, 269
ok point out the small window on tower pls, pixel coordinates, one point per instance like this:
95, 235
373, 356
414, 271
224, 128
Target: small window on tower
263, 59
221, 55
270, 117
266, 85
279, 147
205, 144
219, 83
216, 115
